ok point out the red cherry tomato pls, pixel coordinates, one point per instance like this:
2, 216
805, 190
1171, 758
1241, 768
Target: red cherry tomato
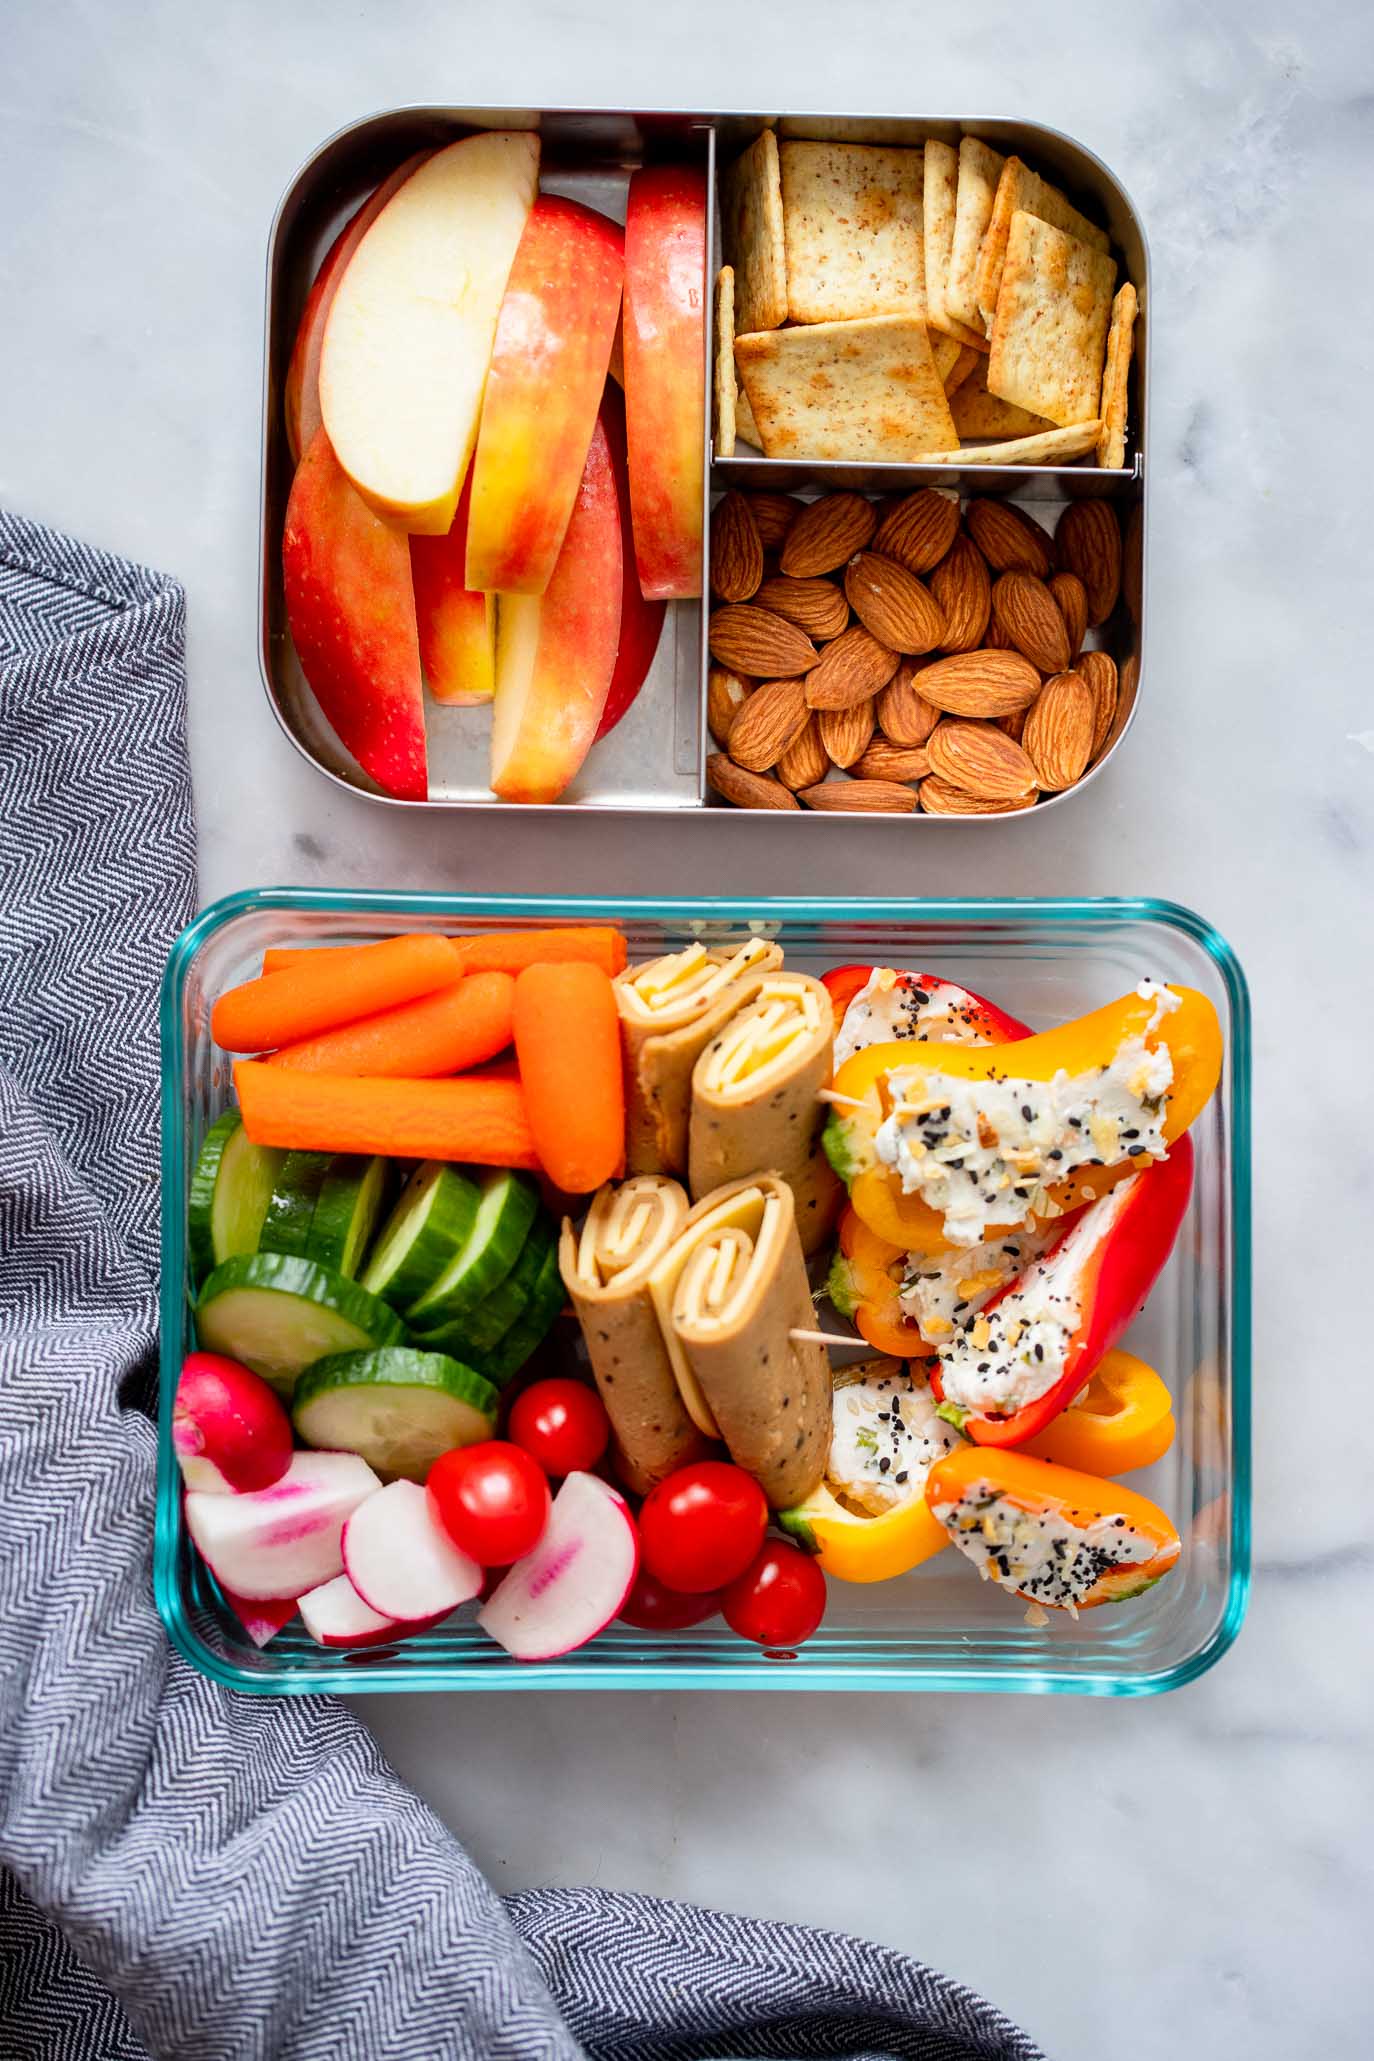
491, 1499
650, 1607
562, 1424
702, 1526
779, 1599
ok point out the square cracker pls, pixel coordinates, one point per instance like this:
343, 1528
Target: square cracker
852, 220
723, 365
751, 224
1111, 445
938, 203
980, 168
858, 390
1021, 191
1053, 448
977, 413
1050, 329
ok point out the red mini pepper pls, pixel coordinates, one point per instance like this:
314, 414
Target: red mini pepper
1106, 1261
991, 1026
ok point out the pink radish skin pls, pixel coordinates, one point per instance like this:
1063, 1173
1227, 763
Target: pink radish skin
576, 1579
261, 1620
401, 1562
229, 1430
336, 1615
277, 1542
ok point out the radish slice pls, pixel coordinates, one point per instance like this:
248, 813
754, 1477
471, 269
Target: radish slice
576, 1579
261, 1620
229, 1431
400, 1561
283, 1540
336, 1615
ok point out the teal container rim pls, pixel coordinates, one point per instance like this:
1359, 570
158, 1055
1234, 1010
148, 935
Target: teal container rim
799, 1673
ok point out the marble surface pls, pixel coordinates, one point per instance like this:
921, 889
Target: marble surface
1198, 1867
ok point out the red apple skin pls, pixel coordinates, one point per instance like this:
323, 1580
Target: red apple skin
457, 627
548, 366
545, 721
301, 393
641, 621
665, 374
350, 608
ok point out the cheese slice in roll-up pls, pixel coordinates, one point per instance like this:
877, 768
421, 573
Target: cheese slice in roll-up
669, 1009
606, 1268
730, 1291
754, 1100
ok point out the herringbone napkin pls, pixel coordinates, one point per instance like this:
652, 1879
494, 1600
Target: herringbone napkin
246, 1878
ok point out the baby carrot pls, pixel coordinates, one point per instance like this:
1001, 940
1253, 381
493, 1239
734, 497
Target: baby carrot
282, 1008
499, 951
567, 1041
484, 1122
442, 1033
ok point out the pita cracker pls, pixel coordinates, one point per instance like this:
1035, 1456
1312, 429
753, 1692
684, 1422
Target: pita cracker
977, 413
723, 365
1021, 191
980, 168
746, 429
1111, 445
1053, 448
946, 353
751, 234
853, 225
1050, 330
962, 370
857, 390
938, 202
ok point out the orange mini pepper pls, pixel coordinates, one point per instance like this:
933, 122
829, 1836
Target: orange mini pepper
1124, 1420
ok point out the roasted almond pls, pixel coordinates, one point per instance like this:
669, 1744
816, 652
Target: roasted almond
980, 759
806, 759
1071, 599
978, 683
747, 790
1058, 737
904, 715
851, 668
816, 606
726, 694
884, 761
1099, 670
919, 530
1013, 725
1125, 701
1088, 541
961, 586
736, 549
871, 797
772, 718
1009, 539
827, 533
1025, 609
939, 798
891, 603
997, 636
774, 515
846, 732
758, 643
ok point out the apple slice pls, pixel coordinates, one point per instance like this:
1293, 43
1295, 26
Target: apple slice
457, 627
641, 621
409, 336
350, 607
665, 374
576, 1579
278, 1542
556, 651
301, 393
401, 1562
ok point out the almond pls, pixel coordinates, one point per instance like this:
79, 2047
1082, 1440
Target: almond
774, 515
1025, 608
1125, 700
758, 643
816, 606
726, 694
884, 761
851, 668
997, 637
772, 718
980, 759
736, 549
827, 533
872, 797
1013, 725
1009, 539
1071, 599
1088, 541
1058, 737
938, 798
1099, 670
892, 603
747, 790
961, 586
904, 715
979, 683
846, 732
919, 530
806, 759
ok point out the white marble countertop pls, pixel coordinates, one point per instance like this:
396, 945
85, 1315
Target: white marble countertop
1198, 1867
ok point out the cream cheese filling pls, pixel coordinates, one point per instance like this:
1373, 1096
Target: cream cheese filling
1041, 1554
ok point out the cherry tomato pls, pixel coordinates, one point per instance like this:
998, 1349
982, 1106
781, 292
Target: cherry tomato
562, 1424
492, 1500
779, 1599
702, 1526
650, 1607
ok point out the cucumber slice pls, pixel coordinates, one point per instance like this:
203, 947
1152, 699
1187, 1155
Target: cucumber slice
398, 1409
529, 1330
230, 1189
350, 1202
483, 1328
278, 1315
424, 1233
505, 1212
290, 1213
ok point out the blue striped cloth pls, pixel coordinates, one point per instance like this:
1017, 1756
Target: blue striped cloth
191, 1873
